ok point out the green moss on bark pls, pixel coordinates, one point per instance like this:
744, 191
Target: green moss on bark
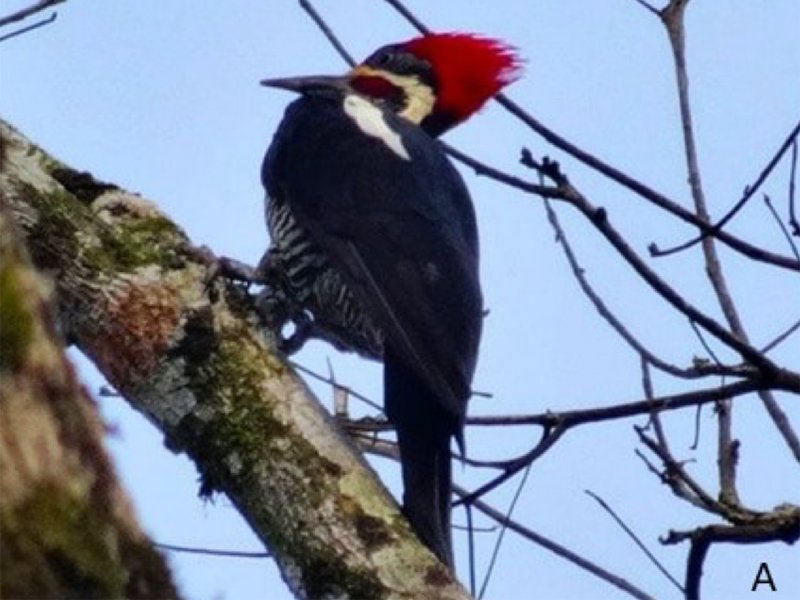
56, 546
16, 322
321, 575
142, 239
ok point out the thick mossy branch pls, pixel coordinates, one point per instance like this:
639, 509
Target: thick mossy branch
190, 353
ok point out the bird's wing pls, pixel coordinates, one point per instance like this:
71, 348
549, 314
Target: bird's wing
400, 231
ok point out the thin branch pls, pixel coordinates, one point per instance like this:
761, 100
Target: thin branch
470, 548
649, 7
671, 476
779, 221
327, 32
573, 418
781, 422
694, 566
408, 16
709, 350
212, 552
749, 192
557, 424
555, 548
513, 467
683, 485
31, 27
482, 169
631, 534
332, 382
792, 178
29, 11
782, 337
673, 19
580, 275
503, 529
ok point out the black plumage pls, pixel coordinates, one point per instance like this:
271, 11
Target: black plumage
382, 250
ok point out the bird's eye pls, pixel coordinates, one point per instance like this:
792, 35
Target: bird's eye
384, 59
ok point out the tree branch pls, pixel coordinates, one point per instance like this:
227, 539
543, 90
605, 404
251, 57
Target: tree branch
28, 11
781, 525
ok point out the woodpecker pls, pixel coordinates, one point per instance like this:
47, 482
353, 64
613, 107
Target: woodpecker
374, 240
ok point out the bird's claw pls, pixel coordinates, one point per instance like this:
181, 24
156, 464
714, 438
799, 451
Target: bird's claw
236, 270
303, 330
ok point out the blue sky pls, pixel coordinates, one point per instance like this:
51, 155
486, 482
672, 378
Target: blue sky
163, 99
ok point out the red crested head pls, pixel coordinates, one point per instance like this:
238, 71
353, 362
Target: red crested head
438, 80
469, 69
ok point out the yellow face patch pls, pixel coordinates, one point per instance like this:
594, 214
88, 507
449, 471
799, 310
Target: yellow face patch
419, 97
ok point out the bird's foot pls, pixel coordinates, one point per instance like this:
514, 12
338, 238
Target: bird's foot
236, 270
278, 312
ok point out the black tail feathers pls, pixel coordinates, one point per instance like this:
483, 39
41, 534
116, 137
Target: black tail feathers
424, 429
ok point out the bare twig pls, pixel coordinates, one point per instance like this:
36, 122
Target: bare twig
649, 7
332, 382
793, 222
613, 412
782, 337
29, 11
211, 552
749, 192
631, 534
704, 343
683, 485
471, 548
31, 27
555, 548
327, 32
514, 466
503, 529
580, 275
408, 16
513, 181
670, 476
779, 221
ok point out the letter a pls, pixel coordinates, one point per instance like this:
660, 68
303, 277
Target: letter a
763, 576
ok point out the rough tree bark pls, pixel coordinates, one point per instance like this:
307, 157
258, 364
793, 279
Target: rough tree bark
66, 526
135, 296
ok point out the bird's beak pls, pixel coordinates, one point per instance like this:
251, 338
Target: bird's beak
303, 85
